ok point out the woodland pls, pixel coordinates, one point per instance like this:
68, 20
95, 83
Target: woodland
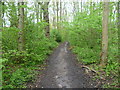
30, 31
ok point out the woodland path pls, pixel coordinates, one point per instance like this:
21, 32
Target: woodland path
63, 72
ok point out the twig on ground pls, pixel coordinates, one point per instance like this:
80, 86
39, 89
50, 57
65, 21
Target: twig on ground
89, 69
98, 84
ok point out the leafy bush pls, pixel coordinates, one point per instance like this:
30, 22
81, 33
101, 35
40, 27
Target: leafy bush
16, 57
9, 38
85, 36
85, 56
16, 65
56, 35
21, 76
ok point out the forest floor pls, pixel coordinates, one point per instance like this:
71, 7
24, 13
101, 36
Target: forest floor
63, 71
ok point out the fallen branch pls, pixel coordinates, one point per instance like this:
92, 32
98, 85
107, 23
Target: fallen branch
89, 69
98, 84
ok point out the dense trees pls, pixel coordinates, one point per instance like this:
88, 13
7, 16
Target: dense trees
26, 45
88, 35
30, 31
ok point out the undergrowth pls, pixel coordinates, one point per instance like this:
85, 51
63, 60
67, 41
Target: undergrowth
18, 67
85, 37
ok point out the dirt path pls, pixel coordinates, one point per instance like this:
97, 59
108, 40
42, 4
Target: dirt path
62, 71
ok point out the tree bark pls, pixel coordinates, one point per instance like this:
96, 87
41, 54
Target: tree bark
41, 8
60, 10
21, 42
57, 3
119, 37
46, 18
1, 13
81, 5
1, 25
54, 16
60, 14
105, 34
37, 10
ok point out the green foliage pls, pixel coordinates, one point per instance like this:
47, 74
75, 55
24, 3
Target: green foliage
16, 65
19, 78
56, 35
87, 55
85, 37
9, 38
13, 14
16, 57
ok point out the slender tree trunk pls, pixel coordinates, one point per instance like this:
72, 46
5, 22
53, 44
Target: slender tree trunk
105, 34
57, 3
41, 8
60, 10
1, 25
54, 20
46, 17
91, 9
21, 42
81, 5
119, 38
37, 11
119, 18
74, 8
119, 24
60, 13
63, 12
78, 6
1, 13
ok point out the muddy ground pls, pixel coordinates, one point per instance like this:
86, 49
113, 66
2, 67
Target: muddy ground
63, 71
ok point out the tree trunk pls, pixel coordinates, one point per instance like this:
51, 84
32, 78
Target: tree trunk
60, 14
46, 18
1, 13
54, 16
81, 5
105, 34
37, 11
1, 25
21, 27
57, 3
119, 37
60, 10
119, 18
